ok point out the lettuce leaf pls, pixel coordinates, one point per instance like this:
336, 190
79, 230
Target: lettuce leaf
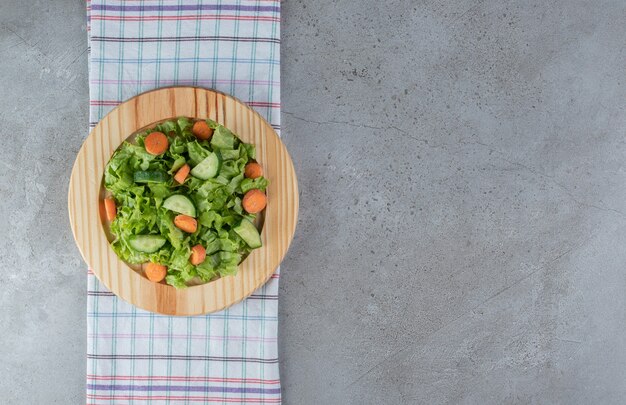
249, 184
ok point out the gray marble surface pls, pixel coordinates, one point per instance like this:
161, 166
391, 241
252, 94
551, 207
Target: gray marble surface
462, 221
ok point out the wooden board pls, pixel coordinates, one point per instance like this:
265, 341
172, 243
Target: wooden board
87, 211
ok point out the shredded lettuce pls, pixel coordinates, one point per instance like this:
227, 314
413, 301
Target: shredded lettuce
217, 201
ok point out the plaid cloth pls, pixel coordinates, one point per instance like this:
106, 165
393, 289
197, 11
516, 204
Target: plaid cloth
135, 356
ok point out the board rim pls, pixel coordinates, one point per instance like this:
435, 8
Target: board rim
216, 295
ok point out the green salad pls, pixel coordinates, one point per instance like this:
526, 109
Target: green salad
184, 197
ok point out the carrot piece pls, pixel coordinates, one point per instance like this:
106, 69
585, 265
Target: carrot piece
186, 223
110, 208
202, 130
156, 143
182, 173
198, 254
254, 201
253, 170
155, 272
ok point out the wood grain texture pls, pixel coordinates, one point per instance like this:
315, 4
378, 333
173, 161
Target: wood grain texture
86, 208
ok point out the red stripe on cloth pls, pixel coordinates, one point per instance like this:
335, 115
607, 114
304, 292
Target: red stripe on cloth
184, 39
250, 103
183, 398
181, 378
173, 1
177, 336
154, 82
183, 358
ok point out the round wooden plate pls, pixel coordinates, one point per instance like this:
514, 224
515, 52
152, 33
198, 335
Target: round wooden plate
85, 200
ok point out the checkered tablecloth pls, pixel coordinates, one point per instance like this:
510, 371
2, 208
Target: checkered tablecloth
136, 356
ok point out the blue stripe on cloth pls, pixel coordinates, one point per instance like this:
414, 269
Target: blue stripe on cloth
186, 7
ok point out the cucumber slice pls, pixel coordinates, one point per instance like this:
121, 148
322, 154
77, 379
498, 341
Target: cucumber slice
146, 243
150, 177
181, 204
222, 138
248, 232
207, 168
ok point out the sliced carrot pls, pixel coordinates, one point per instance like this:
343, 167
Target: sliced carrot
110, 208
155, 272
186, 223
182, 174
253, 170
198, 254
156, 143
202, 130
254, 201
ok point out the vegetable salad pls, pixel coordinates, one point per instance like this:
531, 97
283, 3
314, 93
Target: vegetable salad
183, 200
